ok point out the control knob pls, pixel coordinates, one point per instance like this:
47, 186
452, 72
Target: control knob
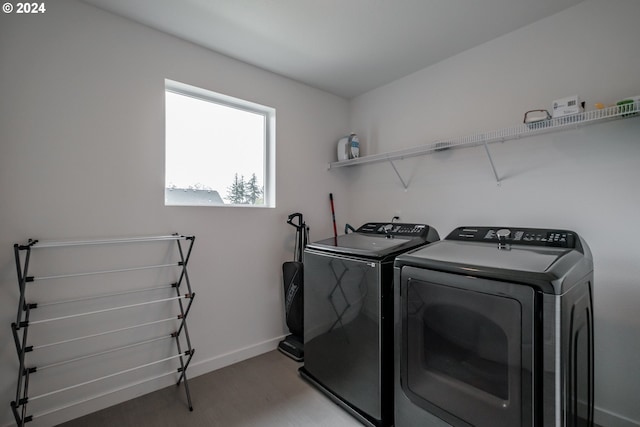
386, 229
502, 236
503, 233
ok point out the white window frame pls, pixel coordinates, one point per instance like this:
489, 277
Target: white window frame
269, 114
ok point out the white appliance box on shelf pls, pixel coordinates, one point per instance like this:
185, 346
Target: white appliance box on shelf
566, 106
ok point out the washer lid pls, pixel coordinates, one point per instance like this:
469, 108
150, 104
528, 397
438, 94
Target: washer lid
378, 240
360, 244
549, 266
478, 255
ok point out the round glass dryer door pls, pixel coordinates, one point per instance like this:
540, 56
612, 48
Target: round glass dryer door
467, 351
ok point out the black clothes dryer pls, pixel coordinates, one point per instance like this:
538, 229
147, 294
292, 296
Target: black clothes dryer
494, 328
348, 312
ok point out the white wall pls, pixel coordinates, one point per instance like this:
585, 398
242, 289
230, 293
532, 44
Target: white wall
584, 179
82, 155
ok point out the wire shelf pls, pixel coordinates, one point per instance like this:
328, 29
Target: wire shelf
501, 135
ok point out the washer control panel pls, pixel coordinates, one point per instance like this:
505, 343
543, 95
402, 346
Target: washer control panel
516, 236
394, 229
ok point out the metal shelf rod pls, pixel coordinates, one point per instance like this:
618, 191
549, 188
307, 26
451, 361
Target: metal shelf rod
56, 244
111, 350
36, 347
493, 167
114, 294
122, 307
126, 371
92, 273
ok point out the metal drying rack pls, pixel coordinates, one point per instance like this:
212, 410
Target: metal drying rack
23, 323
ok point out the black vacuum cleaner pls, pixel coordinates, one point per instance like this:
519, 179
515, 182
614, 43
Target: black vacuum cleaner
293, 275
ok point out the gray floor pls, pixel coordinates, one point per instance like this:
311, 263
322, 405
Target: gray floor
264, 391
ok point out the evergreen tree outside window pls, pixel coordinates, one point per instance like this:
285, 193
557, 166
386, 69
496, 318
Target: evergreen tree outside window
235, 194
253, 191
245, 193
213, 142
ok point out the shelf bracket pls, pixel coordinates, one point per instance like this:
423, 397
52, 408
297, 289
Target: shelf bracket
493, 167
404, 184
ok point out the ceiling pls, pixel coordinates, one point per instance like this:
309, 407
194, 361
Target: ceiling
346, 47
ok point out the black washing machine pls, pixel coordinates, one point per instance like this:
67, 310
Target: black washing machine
494, 328
348, 315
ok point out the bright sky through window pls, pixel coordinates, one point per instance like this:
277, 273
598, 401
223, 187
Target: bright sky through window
208, 143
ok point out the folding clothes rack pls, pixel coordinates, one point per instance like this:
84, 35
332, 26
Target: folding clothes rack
23, 322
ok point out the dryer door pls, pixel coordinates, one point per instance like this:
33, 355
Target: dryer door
467, 348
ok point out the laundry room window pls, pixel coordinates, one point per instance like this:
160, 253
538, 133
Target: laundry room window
219, 150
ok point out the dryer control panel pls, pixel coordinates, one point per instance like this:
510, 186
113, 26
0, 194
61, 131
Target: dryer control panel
394, 229
516, 236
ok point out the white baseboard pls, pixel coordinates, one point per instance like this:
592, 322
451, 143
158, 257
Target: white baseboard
214, 363
609, 419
